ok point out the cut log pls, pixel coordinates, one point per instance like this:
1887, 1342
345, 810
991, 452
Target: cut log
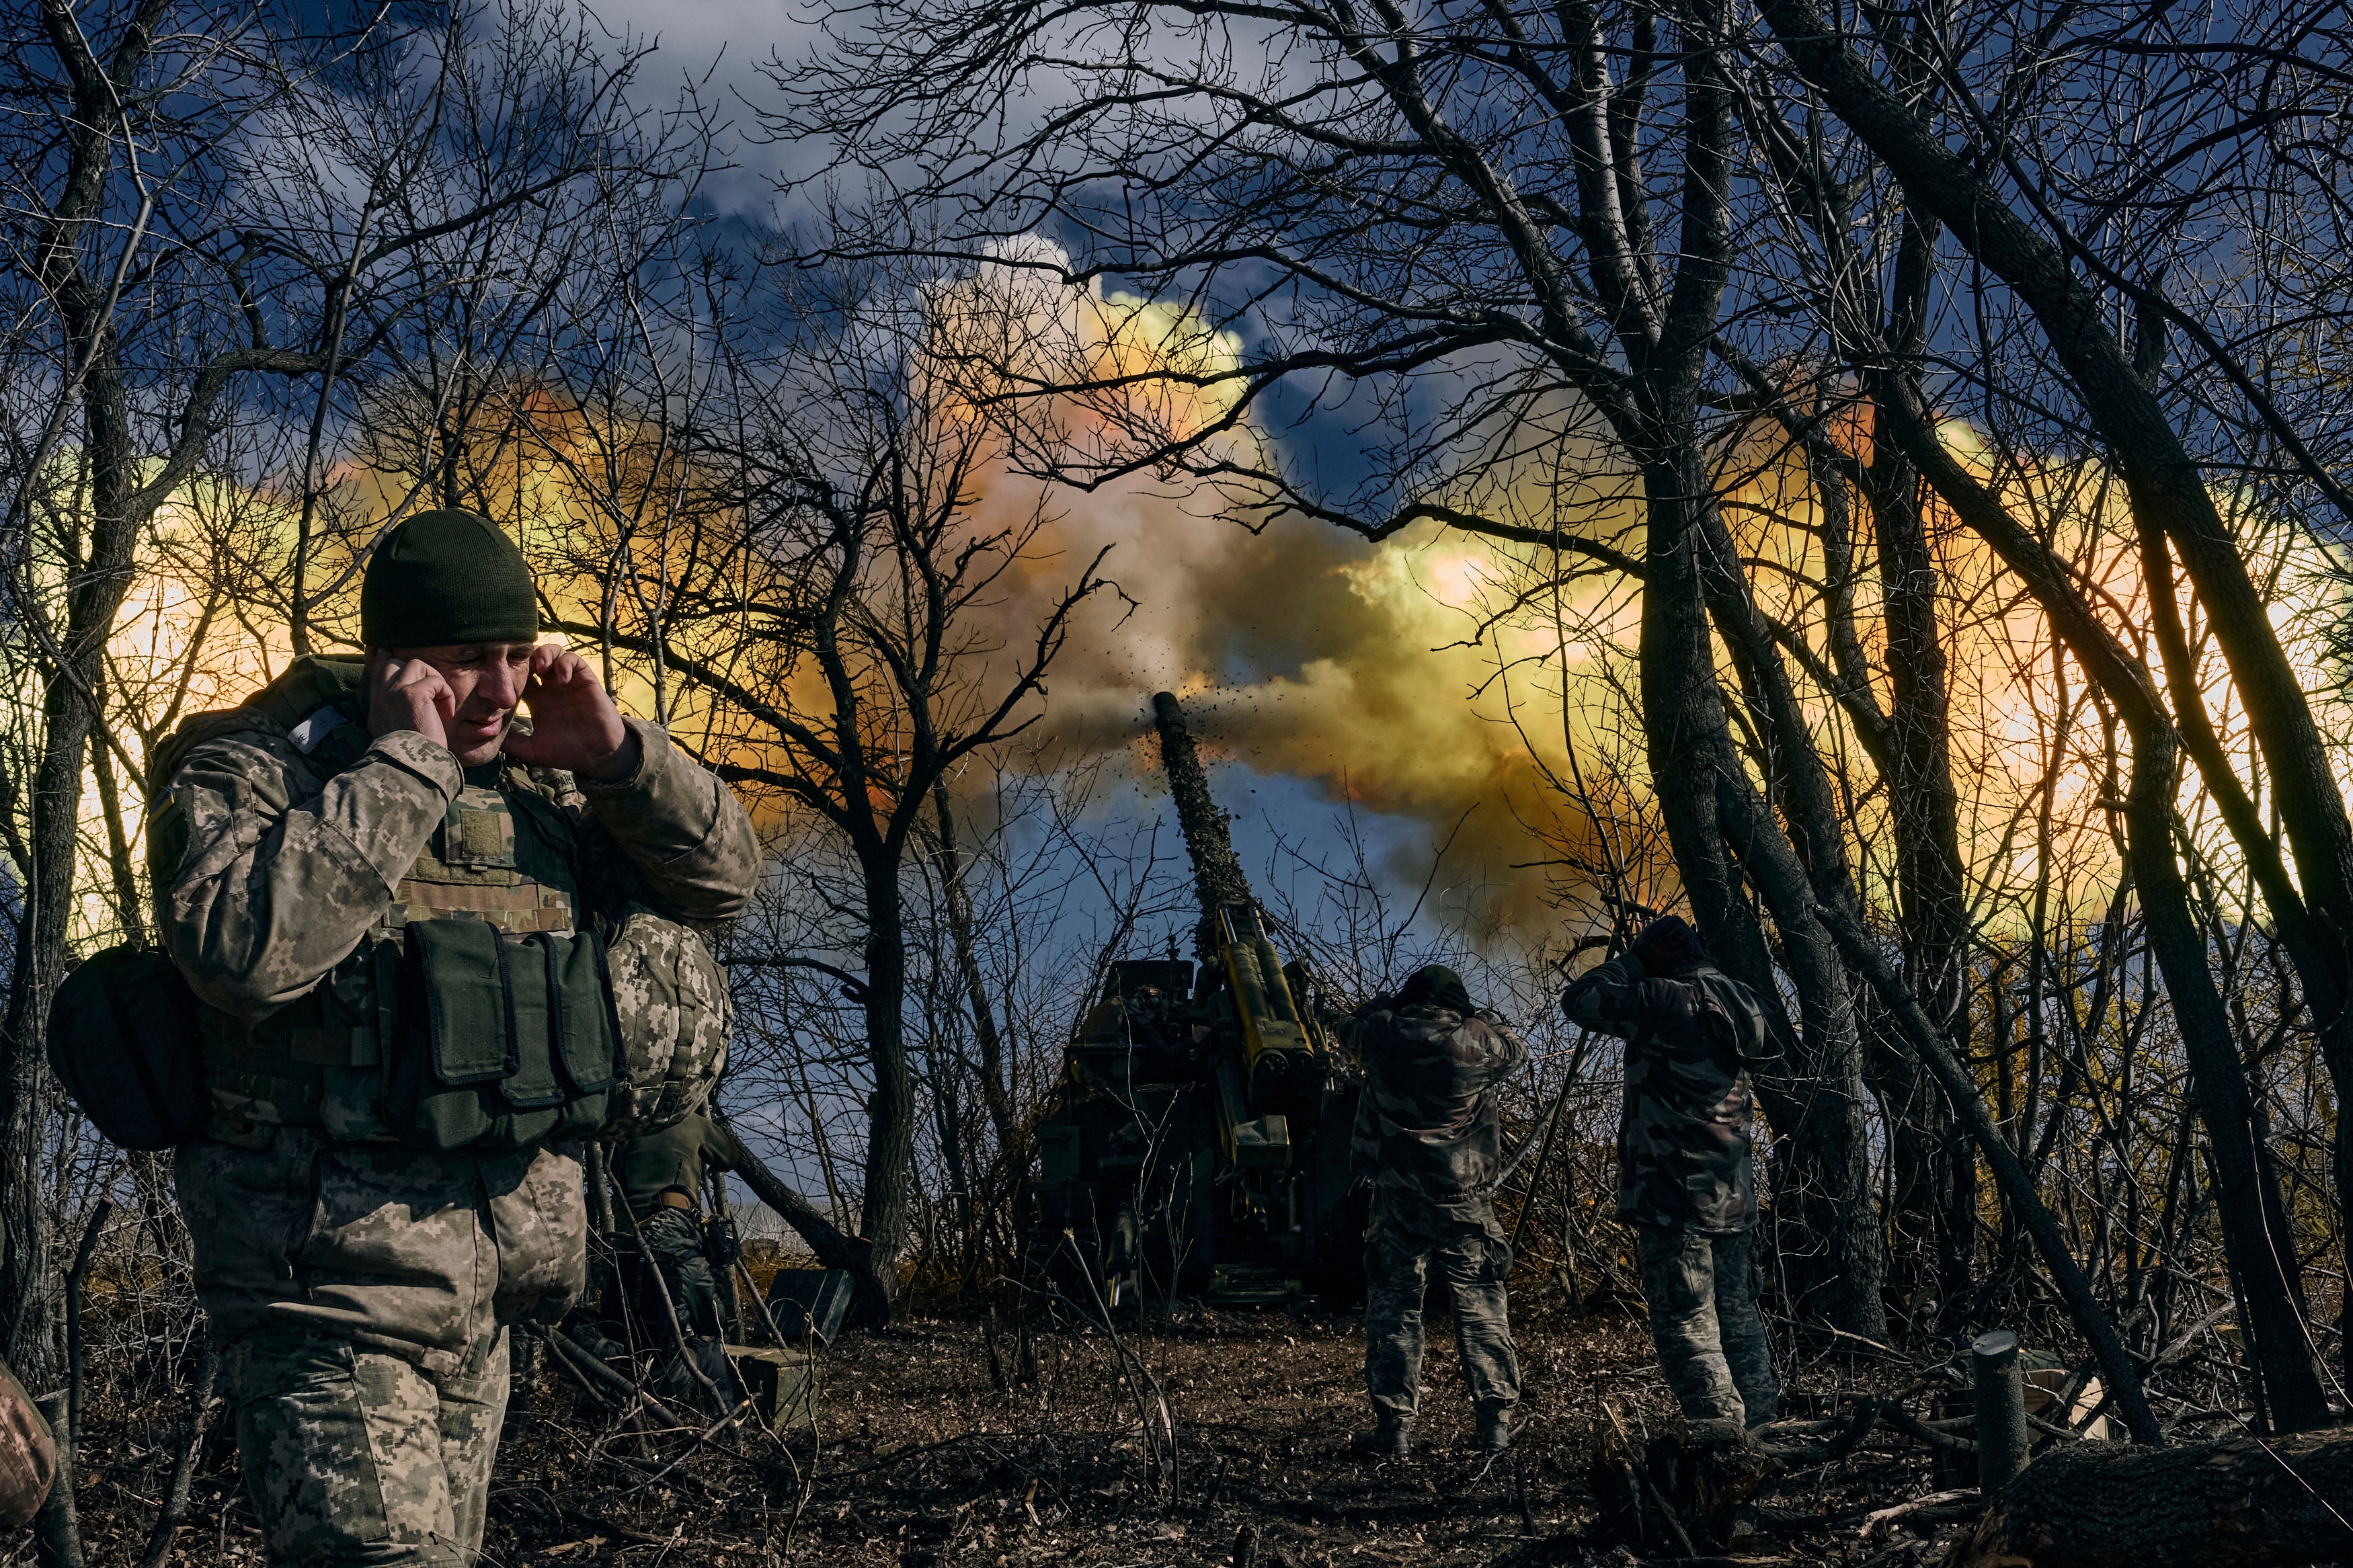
2113, 1505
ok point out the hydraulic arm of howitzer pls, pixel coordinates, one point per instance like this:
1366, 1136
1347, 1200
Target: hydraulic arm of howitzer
1279, 1040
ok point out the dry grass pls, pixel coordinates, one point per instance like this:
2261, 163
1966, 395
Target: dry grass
922, 1459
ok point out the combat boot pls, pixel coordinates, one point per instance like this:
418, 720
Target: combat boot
1494, 1431
1389, 1439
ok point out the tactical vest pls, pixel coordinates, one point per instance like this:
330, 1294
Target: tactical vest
476, 1012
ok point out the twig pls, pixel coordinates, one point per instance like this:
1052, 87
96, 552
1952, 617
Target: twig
183, 1472
1166, 1466
618, 1531
1667, 1514
588, 1365
2059, 1434
1911, 1425
732, 1418
59, 1521
75, 1278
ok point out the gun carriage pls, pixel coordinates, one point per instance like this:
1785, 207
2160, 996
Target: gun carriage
1197, 1140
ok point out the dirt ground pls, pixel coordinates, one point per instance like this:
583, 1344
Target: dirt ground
919, 1458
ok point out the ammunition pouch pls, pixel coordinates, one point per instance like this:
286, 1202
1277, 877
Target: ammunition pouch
455, 1034
503, 1041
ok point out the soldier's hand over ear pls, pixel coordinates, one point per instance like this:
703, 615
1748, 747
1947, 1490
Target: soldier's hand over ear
408, 694
575, 725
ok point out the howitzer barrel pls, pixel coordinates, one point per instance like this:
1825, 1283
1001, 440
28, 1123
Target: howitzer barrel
1217, 876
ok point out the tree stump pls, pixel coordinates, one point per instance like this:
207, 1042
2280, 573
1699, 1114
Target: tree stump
2113, 1505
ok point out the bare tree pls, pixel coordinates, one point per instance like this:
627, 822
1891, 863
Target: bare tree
2029, 230
841, 629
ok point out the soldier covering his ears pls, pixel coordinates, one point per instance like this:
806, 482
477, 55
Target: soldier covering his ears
410, 921
1686, 1180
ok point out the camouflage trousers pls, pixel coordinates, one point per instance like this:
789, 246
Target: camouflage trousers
354, 1456
1473, 1260
673, 1261
1702, 1294
360, 1294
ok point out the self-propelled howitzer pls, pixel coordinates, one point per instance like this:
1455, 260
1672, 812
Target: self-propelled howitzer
1197, 1144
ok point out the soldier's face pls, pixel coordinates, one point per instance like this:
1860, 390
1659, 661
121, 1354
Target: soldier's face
485, 681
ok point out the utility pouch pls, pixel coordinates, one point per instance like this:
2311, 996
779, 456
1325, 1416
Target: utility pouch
126, 1041
502, 1042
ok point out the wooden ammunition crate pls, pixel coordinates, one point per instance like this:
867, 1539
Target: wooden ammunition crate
781, 1384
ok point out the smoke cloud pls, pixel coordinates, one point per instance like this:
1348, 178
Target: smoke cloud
1367, 671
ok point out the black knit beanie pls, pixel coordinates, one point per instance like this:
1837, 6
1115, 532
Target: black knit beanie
1437, 985
1669, 947
446, 577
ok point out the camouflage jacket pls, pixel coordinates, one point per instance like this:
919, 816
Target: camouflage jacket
284, 848
1427, 1121
1683, 1159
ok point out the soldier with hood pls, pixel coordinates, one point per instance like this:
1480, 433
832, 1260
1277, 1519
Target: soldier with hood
414, 924
1426, 1135
1686, 1181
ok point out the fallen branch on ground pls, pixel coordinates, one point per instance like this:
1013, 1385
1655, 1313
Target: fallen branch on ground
1936, 1504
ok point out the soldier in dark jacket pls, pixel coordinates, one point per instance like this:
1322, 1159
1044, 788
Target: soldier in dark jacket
1426, 1135
662, 1177
1686, 1181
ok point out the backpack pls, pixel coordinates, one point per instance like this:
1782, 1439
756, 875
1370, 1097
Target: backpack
125, 1034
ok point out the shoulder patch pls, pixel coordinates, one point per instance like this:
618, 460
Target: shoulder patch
320, 724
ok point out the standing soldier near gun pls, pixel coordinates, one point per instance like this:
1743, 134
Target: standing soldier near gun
414, 924
1686, 1179
1427, 1134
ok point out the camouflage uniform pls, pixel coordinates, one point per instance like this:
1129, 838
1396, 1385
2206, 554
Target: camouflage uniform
361, 1288
1425, 1133
1686, 1178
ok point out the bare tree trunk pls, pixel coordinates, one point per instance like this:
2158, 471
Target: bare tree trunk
1937, 1180
884, 1204
93, 594
1843, 1267
2256, 1237
2168, 493
995, 1091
